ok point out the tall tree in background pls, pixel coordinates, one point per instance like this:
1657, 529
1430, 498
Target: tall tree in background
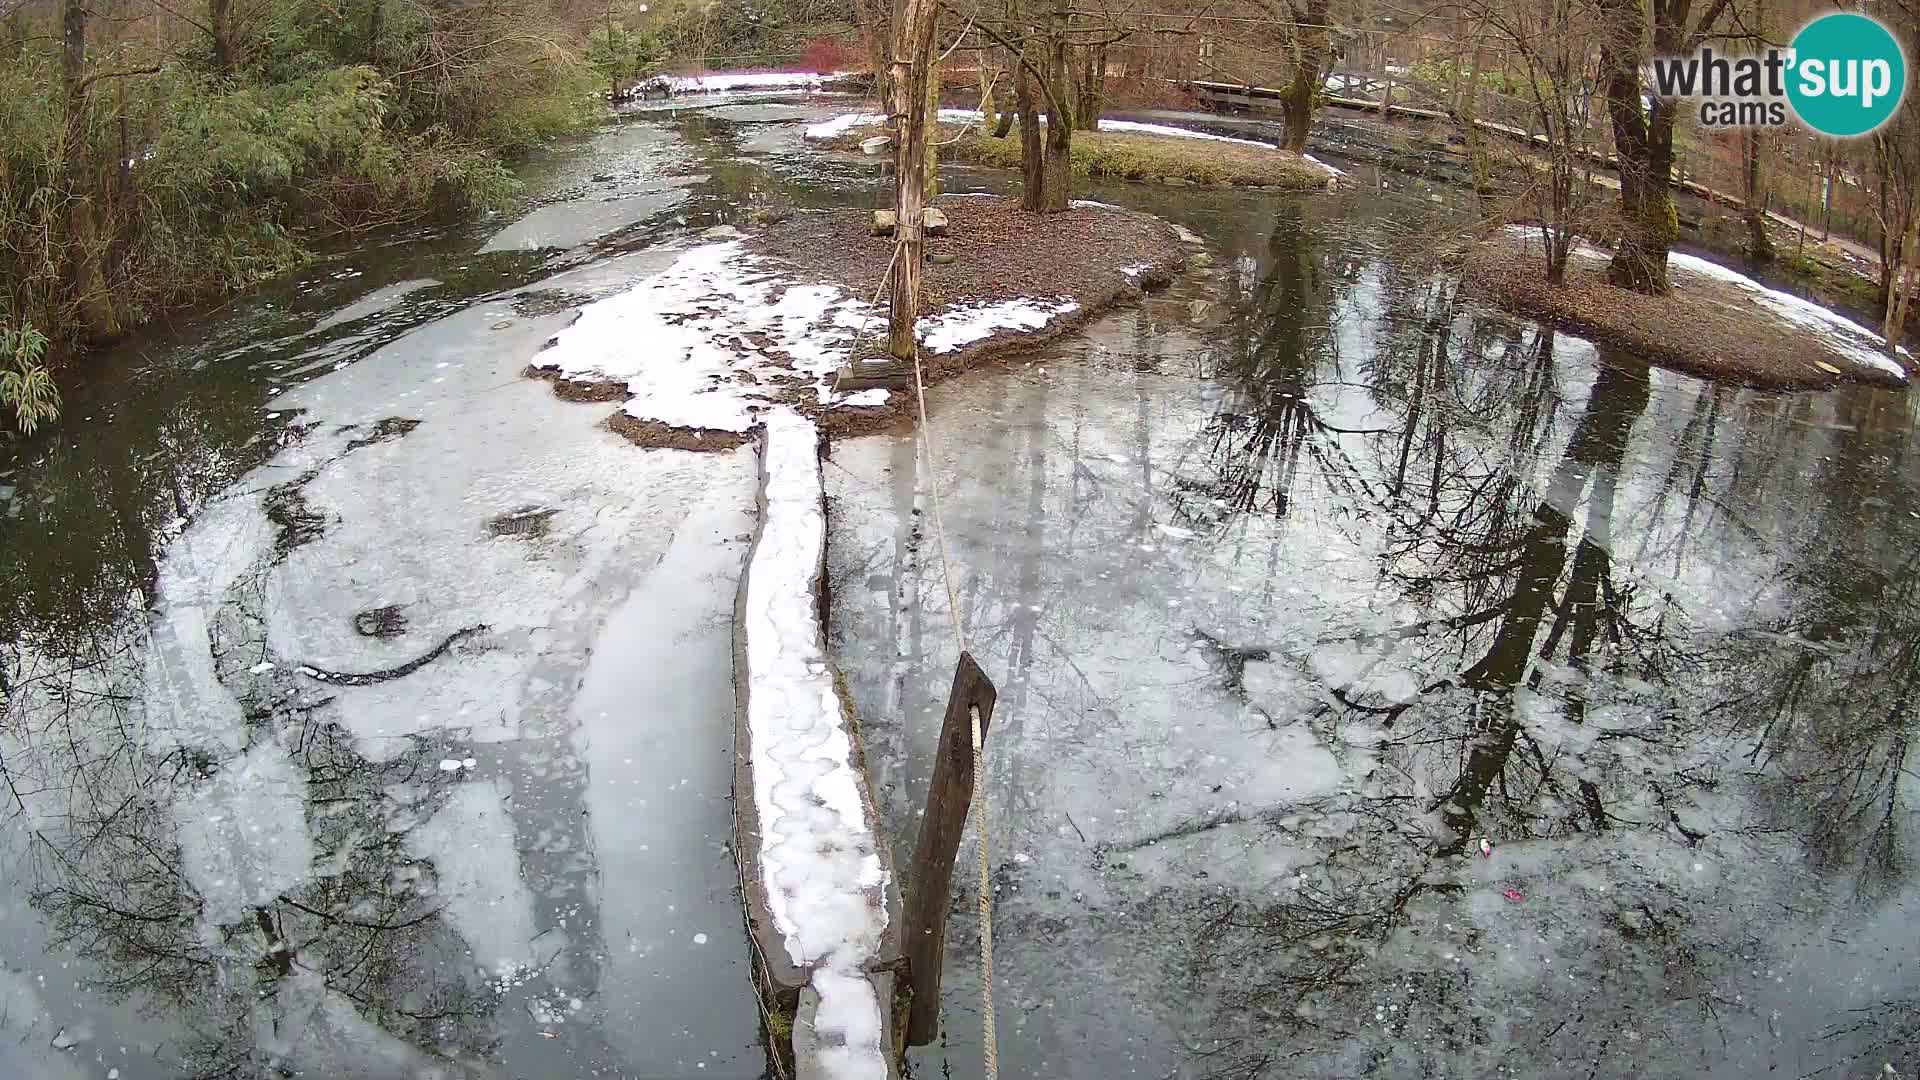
86, 273
1643, 132
914, 23
1312, 54
1896, 158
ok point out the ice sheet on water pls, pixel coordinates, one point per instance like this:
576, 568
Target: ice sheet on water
471, 844
243, 834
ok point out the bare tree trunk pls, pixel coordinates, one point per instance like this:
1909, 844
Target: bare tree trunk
1644, 145
989, 112
220, 22
376, 29
1092, 88
912, 65
876, 24
1900, 283
1312, 45
86, 276
1059, 158
931, 124
1759, 244
1033, 180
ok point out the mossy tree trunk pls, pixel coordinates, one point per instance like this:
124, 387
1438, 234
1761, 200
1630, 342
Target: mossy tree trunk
220, 27
1092, 88
989, 112
1033, 181
1643, 137
1312, 46
376, 30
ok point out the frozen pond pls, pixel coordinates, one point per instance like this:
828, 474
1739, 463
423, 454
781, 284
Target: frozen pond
1293, 602
368, 711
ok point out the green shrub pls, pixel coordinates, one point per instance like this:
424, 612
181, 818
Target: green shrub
25, 385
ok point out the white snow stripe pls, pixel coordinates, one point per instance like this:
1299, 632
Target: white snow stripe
819, 858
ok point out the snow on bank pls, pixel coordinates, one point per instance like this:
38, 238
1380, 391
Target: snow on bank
708, 342
819, 858
723, 82
697, 343
958, 326
1856, 342
1843, 335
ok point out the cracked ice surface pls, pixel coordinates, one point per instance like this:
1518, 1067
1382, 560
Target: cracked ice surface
819, 858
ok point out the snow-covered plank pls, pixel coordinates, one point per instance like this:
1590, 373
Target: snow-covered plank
813, 865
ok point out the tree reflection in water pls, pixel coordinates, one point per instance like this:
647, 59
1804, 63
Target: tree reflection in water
1447, 578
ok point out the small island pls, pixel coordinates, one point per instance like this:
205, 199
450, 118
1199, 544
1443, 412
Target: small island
744, 322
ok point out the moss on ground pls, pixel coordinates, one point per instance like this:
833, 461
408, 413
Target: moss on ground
1126, 155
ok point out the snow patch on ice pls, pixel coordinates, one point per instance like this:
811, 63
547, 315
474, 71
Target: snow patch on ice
819, 859
748, 80
706, 342
845, 122
958, 326
685, 339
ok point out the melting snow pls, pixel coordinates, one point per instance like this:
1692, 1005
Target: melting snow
845, 122
954, 327
819, 861
748, 80
684, 339
1849, 338
706, 342
1858, 343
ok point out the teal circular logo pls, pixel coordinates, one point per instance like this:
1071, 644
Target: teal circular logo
1848, 74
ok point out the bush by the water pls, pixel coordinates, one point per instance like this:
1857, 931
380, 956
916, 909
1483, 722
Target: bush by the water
179, 160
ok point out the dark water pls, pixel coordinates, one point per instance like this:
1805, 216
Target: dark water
1295, 597
1296, 582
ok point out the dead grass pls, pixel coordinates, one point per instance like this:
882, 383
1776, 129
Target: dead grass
1128, 155
1702, 326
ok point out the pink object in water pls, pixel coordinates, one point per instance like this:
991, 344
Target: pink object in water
1486, 848
1512, 894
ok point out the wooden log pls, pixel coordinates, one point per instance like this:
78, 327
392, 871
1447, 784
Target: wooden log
930, 878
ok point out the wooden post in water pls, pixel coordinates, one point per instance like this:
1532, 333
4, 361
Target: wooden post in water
930, 879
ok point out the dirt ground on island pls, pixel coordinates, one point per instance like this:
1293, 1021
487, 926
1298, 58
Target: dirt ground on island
1093, 255
1702, 326
998, 252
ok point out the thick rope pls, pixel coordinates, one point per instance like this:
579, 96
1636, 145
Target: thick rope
989, 1043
